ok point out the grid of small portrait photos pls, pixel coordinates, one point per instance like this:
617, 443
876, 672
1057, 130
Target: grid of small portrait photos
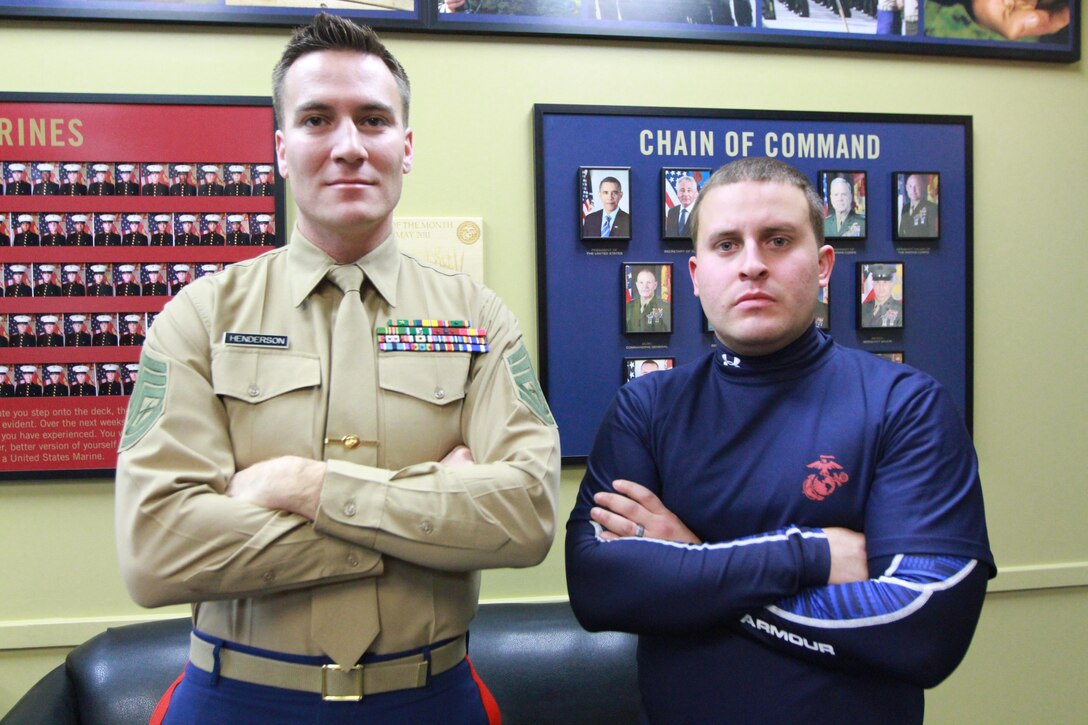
59, 296
646, 286
151, 178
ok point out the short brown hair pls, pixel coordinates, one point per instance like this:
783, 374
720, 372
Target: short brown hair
762, 169
332, 32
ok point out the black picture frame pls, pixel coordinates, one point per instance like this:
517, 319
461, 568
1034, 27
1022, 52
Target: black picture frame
823, 308
873, 313
677, 183
939, 29
853, 228
634, 367
917, 220
594, 183
653, 317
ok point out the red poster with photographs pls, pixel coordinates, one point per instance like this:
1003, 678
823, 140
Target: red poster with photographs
109, 206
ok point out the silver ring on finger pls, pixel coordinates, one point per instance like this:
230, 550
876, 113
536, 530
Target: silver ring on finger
640, 531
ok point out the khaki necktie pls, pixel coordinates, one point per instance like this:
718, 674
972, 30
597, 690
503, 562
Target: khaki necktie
345, 616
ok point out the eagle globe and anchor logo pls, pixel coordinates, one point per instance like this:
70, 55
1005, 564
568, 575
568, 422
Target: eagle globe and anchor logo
827, 477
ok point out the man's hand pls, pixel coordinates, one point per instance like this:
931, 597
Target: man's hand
287, 483
1017, 19
633, 506
849, 560
459, 456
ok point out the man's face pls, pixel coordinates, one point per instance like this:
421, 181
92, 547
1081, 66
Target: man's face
132, 326
161, 226
47, 278
107, 227
842, 196
49, 328
236, 176
110, 376
132, 375
649, 366
126, 176
80, 226
186, 227
882, 288
914, 188
757, 269
24, 226
646, 284
103, 327
21, 327
610, 195
152, 277
54, 378
77, 327
344, 145
686, 192
52, 227
72, 176
264, 177
126, 276
72, 276
98, 277
81, 378
209, 177
153, 177
213, 227
17, 175
100, 176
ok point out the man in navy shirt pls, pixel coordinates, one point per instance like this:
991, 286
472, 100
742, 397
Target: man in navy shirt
794, 529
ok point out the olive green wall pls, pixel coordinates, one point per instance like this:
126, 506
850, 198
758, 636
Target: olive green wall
474, 156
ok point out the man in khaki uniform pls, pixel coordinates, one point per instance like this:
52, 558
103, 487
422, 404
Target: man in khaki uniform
322, 495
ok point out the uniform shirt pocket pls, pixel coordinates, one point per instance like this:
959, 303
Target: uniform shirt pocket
422, 397
272, 399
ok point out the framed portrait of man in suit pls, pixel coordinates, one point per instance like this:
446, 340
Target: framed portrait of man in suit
679, 191
605, 203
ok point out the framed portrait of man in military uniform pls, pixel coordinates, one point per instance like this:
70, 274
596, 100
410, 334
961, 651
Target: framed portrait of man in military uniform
895, 356
823, 308
881, 298
845, 195
636, 367
647, 298
918, 205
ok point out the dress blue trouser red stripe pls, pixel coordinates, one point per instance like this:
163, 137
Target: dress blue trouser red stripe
456, 697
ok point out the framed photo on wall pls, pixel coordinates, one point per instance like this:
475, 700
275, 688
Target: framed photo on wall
880, 304
647, 298
679, 192
918, 205
636, 367
604, 210
845, 195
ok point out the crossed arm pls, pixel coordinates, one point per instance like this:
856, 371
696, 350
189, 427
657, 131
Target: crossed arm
914, 621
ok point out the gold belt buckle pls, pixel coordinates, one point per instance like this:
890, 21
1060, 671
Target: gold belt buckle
342, 680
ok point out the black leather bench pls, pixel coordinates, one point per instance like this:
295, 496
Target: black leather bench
540, 665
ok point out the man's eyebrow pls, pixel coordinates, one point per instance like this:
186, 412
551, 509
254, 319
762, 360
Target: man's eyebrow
322, 107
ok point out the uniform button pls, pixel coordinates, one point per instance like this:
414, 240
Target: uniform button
254, 391
426, 527
439, 393
349, 507
269, 577
352, 561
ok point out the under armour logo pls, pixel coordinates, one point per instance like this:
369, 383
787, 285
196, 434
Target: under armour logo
730, 362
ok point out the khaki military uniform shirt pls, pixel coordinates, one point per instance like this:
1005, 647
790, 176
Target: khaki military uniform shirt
203, 409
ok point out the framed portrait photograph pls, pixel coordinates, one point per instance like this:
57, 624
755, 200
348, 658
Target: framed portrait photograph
823, 308
636, 367
605, 208
679, 190
918, 205
880, 304
845, 197
895, 357
647, 298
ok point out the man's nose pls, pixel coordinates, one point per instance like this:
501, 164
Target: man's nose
349, 145
753, 265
